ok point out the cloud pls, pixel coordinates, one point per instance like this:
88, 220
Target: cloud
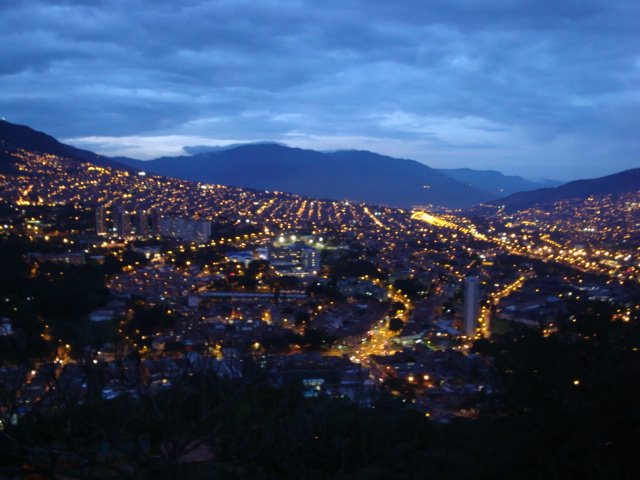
535, 87
142, 147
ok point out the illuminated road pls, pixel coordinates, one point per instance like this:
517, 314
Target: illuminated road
494, 299
518, 244
378, 340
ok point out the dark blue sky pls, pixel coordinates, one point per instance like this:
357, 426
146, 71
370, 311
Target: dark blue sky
539, 88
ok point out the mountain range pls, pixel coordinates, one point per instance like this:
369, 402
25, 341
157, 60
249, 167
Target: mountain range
347, 174
496, 183
343, 175
350, 174
356, 175
621, 182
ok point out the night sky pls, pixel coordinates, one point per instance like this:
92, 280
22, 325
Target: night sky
539, 88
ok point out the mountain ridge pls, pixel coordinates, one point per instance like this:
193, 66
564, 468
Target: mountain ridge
616, 183
496, 182
346, 174
357, 175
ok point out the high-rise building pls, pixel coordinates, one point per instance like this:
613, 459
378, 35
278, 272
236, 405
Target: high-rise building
202, 230
155, 220
471, 305
122, 222
101, 220
142, 223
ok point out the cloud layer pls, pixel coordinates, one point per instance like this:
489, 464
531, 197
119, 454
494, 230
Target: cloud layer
540, 88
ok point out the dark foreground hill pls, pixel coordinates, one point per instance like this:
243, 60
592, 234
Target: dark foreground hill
541, 421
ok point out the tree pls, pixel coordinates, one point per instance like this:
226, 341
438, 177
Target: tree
395, 324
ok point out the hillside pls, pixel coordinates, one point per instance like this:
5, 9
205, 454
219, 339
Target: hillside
626, 181
15, 137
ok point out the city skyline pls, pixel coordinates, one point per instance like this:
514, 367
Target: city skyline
344, 240
539, 90
175, 328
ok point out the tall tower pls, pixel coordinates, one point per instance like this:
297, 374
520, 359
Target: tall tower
202, 231
101, 220
122, 222
471, 305
142, 223
155, 221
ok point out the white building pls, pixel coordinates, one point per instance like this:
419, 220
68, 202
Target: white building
471, 305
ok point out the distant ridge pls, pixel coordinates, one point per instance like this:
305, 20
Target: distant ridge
353, 175
340, 175
496, 183
622, 182
349, 174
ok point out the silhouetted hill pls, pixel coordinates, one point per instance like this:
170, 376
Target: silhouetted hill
355, 175
626, 181
496, 183
14, 137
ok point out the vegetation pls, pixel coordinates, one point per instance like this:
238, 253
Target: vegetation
564, 407
46, 301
